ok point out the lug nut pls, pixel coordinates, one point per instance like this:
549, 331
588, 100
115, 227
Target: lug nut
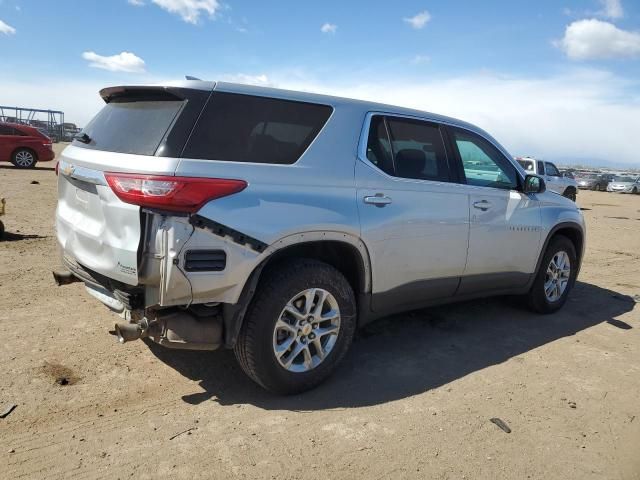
312, 336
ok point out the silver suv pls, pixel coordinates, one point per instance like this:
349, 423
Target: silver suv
213, 215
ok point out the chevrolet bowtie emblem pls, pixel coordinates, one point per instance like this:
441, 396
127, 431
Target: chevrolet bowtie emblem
68, 170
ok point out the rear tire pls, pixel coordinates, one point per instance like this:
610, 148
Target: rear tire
279, 320
24, 158
543, 298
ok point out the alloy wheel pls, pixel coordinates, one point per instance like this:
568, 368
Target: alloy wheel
557, 276
307, 330
24, 158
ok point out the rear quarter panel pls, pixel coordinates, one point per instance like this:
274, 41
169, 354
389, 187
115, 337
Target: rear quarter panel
315, 194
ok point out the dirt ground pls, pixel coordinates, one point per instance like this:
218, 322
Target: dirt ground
413, 399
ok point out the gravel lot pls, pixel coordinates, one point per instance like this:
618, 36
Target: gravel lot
413, 399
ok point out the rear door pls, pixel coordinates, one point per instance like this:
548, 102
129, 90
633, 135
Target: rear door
140, 130
414, 220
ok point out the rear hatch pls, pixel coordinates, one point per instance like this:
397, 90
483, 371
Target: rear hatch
140, 130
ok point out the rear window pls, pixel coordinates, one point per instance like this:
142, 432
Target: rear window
245, 128
131, 125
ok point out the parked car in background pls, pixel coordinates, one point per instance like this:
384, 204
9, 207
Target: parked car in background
554, 180
69, 130
23, 145
215, 215
624, 184
592, 181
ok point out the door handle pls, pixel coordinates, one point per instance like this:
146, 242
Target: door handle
482, 205
379, 200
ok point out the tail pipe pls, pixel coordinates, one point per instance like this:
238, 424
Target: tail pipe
175, 329
128, 332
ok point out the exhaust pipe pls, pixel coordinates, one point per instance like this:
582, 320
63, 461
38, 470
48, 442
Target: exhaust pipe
176, 329
64, 278
127, 332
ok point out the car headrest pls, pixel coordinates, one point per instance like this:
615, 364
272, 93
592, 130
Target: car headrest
410, 163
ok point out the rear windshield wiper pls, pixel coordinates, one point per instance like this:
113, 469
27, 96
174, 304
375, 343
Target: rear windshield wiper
82, 137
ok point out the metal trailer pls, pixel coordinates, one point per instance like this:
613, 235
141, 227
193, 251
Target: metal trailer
50, 121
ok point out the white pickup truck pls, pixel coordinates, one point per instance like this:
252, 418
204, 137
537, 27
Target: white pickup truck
553, 179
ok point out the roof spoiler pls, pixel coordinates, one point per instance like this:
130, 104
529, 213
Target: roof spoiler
140, 92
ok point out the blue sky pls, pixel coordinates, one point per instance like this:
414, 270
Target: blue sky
543, 76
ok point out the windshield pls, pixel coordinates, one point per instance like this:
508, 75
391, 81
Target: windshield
130, 126
624, 179
526, 164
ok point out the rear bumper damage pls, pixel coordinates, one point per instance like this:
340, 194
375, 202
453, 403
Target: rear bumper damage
198, 327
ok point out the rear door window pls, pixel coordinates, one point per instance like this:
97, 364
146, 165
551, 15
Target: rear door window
246, 128
131, 124
418, 149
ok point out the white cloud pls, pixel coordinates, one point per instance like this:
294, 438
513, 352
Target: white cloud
594, 39
6, 29
420, 59
261, 80
328, 28
419, 20
136, 3
122, 62
189, 10
583, 114
611, 9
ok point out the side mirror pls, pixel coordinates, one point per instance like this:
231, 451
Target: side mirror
533, 184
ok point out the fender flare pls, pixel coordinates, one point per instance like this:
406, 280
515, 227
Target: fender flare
560, 226
233, 314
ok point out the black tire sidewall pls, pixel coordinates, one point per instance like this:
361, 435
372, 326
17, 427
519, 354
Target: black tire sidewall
537, 298
281, 286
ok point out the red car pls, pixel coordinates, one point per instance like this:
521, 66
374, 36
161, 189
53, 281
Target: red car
23, 145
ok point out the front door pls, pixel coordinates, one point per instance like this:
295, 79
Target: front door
414, 219
505, 224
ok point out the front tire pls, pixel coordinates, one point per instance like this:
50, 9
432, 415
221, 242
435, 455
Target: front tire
24, 158
298, 327
555, 278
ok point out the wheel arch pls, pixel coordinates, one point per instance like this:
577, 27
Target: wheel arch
573, 232
346, 253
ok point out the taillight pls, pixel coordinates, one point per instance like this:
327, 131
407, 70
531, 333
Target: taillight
175, 194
